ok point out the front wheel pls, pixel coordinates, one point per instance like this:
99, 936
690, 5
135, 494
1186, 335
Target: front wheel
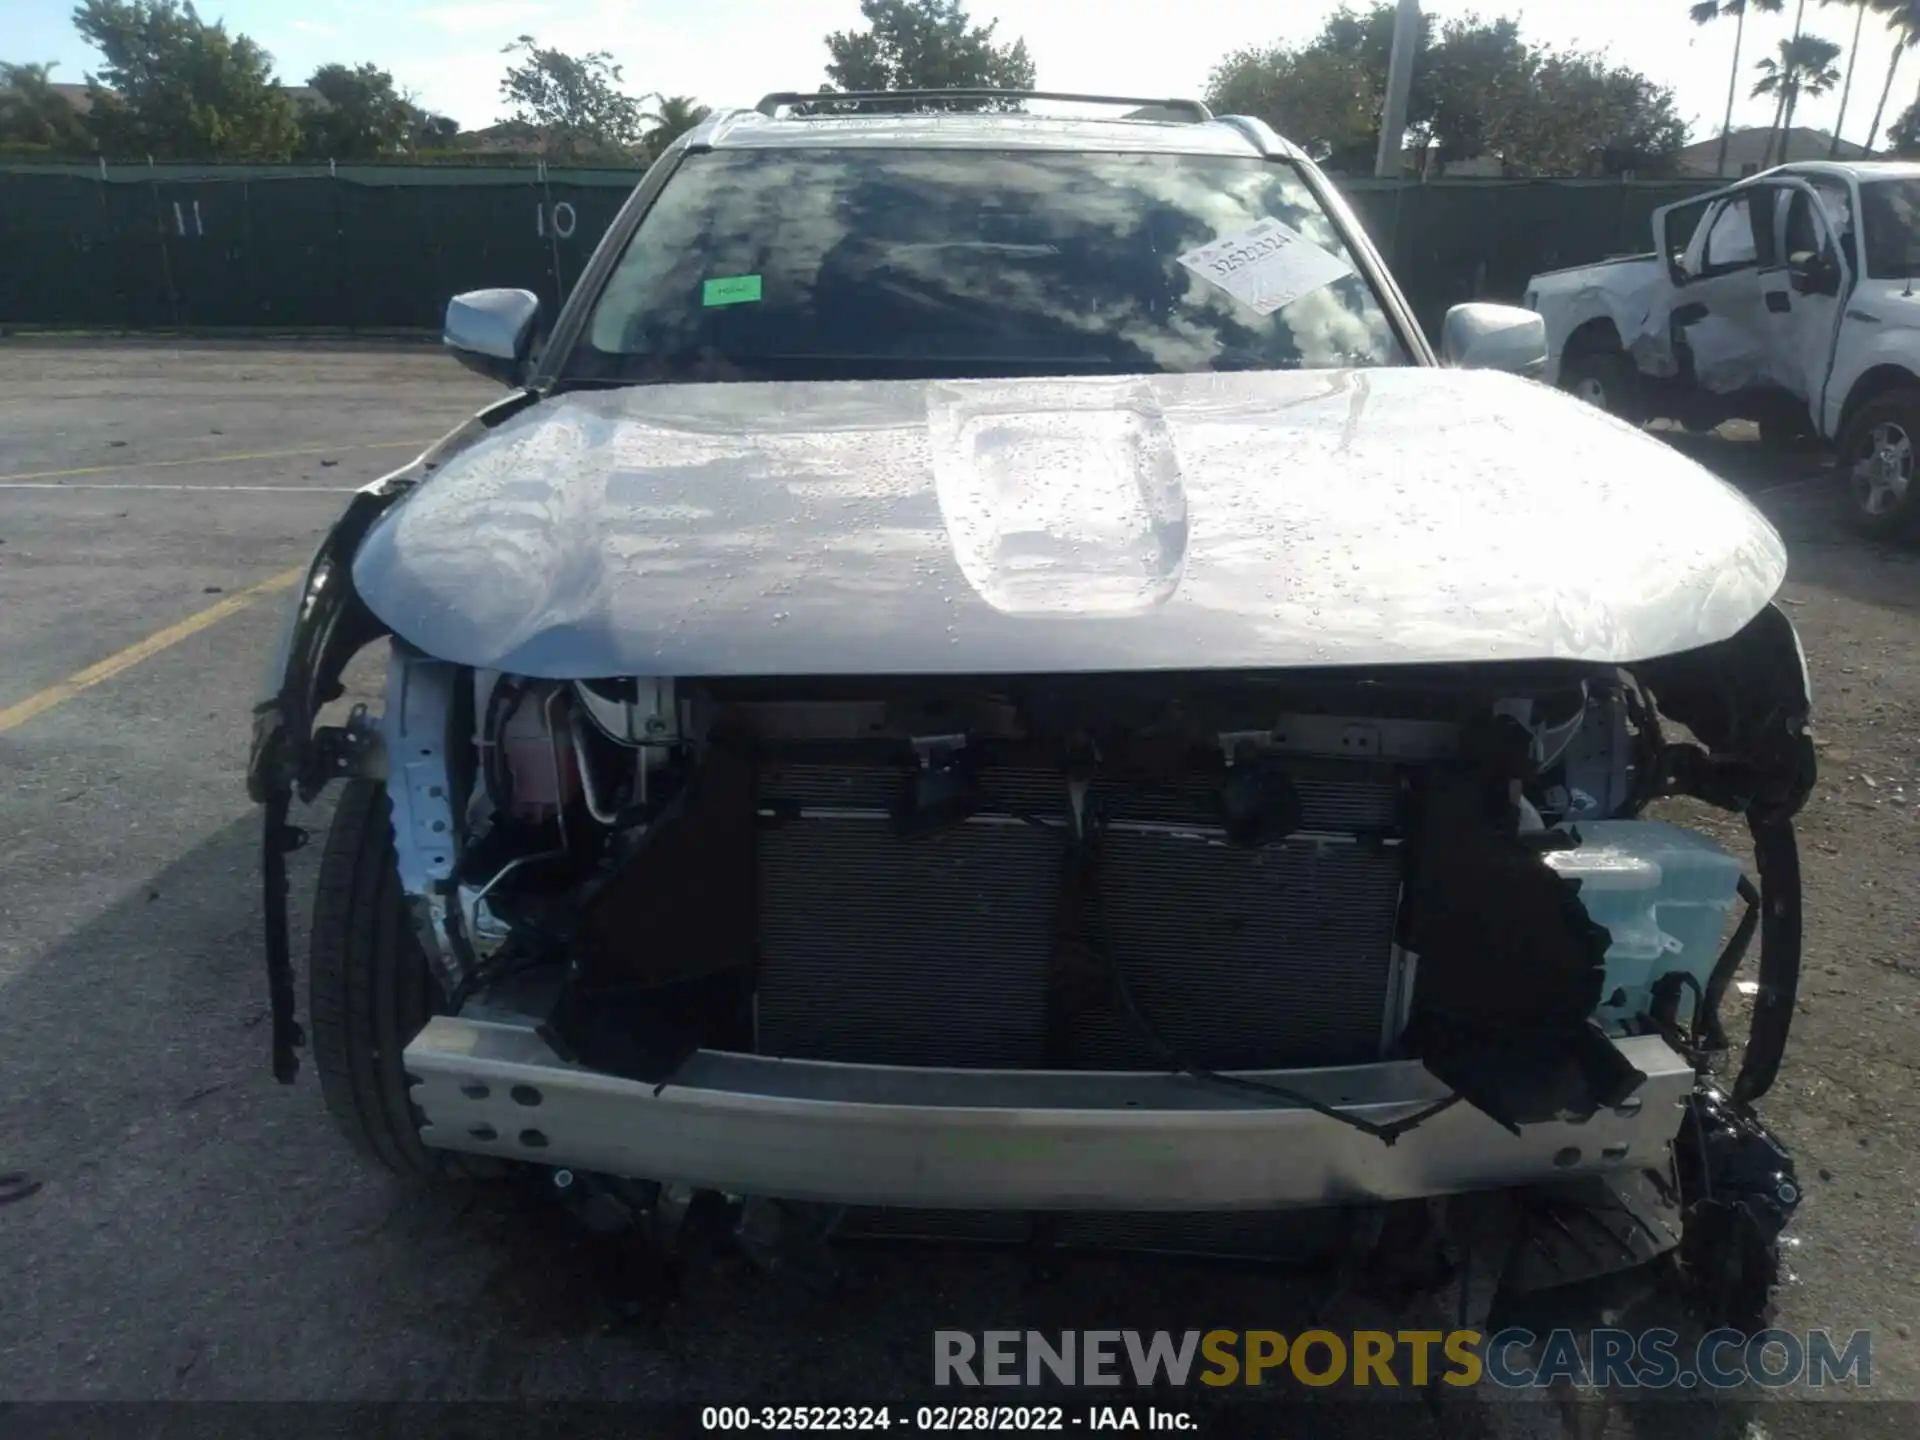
1604, 379
370, 989
1877, 461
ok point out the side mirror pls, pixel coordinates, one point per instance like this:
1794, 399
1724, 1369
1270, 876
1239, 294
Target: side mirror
1494, 337
1812, 273
491, 332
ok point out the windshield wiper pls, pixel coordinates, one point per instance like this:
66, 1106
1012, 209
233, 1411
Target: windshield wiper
606, 382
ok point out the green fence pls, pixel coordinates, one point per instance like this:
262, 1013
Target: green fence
380, 248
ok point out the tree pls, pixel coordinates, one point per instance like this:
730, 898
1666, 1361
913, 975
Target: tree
924, 45
1479, 89
1327, 95
33, 113
431, 131
1778, 133
1581, 115
1853, 53
359, 115
574, 101
1473, 82
1329, 105
176, 87
1802, 64
671, 118
1705, 13
1903, 136
1903, 19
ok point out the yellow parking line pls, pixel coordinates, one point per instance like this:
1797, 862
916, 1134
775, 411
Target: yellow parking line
58, 694
213, 460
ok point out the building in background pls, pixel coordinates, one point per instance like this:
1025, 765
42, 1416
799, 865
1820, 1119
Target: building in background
1747, 149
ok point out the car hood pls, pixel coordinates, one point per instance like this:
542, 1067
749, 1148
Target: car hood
1245, 520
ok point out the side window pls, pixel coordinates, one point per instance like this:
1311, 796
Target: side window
1804, 235
1765, 208
1682, 237
1730, 243
1839, 207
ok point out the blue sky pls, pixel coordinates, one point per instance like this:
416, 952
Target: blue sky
733, 51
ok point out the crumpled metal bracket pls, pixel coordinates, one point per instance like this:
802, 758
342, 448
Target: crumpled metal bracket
278, 839
332, 751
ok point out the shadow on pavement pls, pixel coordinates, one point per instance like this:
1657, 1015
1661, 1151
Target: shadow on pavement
1742, 461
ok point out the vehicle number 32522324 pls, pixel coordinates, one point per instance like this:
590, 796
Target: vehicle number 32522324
934, 1419
1265, 266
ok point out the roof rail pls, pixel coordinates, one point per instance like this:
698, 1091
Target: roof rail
770, 105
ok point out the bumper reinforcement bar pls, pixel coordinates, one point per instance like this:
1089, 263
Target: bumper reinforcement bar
998, 1139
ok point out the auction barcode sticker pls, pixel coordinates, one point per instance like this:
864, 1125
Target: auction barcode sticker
1266, 266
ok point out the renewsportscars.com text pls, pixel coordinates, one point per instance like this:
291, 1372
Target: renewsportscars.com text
1511, 1359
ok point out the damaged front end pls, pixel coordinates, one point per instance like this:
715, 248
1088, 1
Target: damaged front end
1084, 953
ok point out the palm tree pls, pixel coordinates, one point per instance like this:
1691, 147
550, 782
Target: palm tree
1705, 13
1903, 19
672, 118
1804, 67
1853, 53
1779, 131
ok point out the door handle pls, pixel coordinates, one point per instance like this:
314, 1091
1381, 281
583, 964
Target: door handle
1778, 302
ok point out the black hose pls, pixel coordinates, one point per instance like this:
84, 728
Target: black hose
1386, 1134
502, 701
1776, 854
1726, 966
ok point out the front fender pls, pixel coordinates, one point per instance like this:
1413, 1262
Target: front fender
1889, 346
329, 624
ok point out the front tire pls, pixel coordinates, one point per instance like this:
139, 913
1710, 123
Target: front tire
370, 989
1604, 379
1877, 460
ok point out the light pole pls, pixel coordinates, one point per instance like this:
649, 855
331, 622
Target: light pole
1393, 117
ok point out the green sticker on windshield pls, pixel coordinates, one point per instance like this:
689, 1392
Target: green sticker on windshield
734, 290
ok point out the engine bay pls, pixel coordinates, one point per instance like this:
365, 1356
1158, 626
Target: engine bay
1196, 874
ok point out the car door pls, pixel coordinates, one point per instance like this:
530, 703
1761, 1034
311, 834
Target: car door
1718, 324
1805, 293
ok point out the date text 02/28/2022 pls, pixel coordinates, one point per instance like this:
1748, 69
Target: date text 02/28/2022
942, 1419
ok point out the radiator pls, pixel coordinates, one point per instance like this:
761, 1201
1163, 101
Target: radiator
936, 951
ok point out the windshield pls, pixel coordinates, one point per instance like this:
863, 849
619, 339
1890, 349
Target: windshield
1891, 210
874, 264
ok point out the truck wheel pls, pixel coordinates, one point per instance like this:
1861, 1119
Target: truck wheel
1605, 379
370, 990
1877, 459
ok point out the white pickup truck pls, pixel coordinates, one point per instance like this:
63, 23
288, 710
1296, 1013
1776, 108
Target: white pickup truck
1787, 299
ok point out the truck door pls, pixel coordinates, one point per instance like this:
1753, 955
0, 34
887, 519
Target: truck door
1805, 294
1717, 325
